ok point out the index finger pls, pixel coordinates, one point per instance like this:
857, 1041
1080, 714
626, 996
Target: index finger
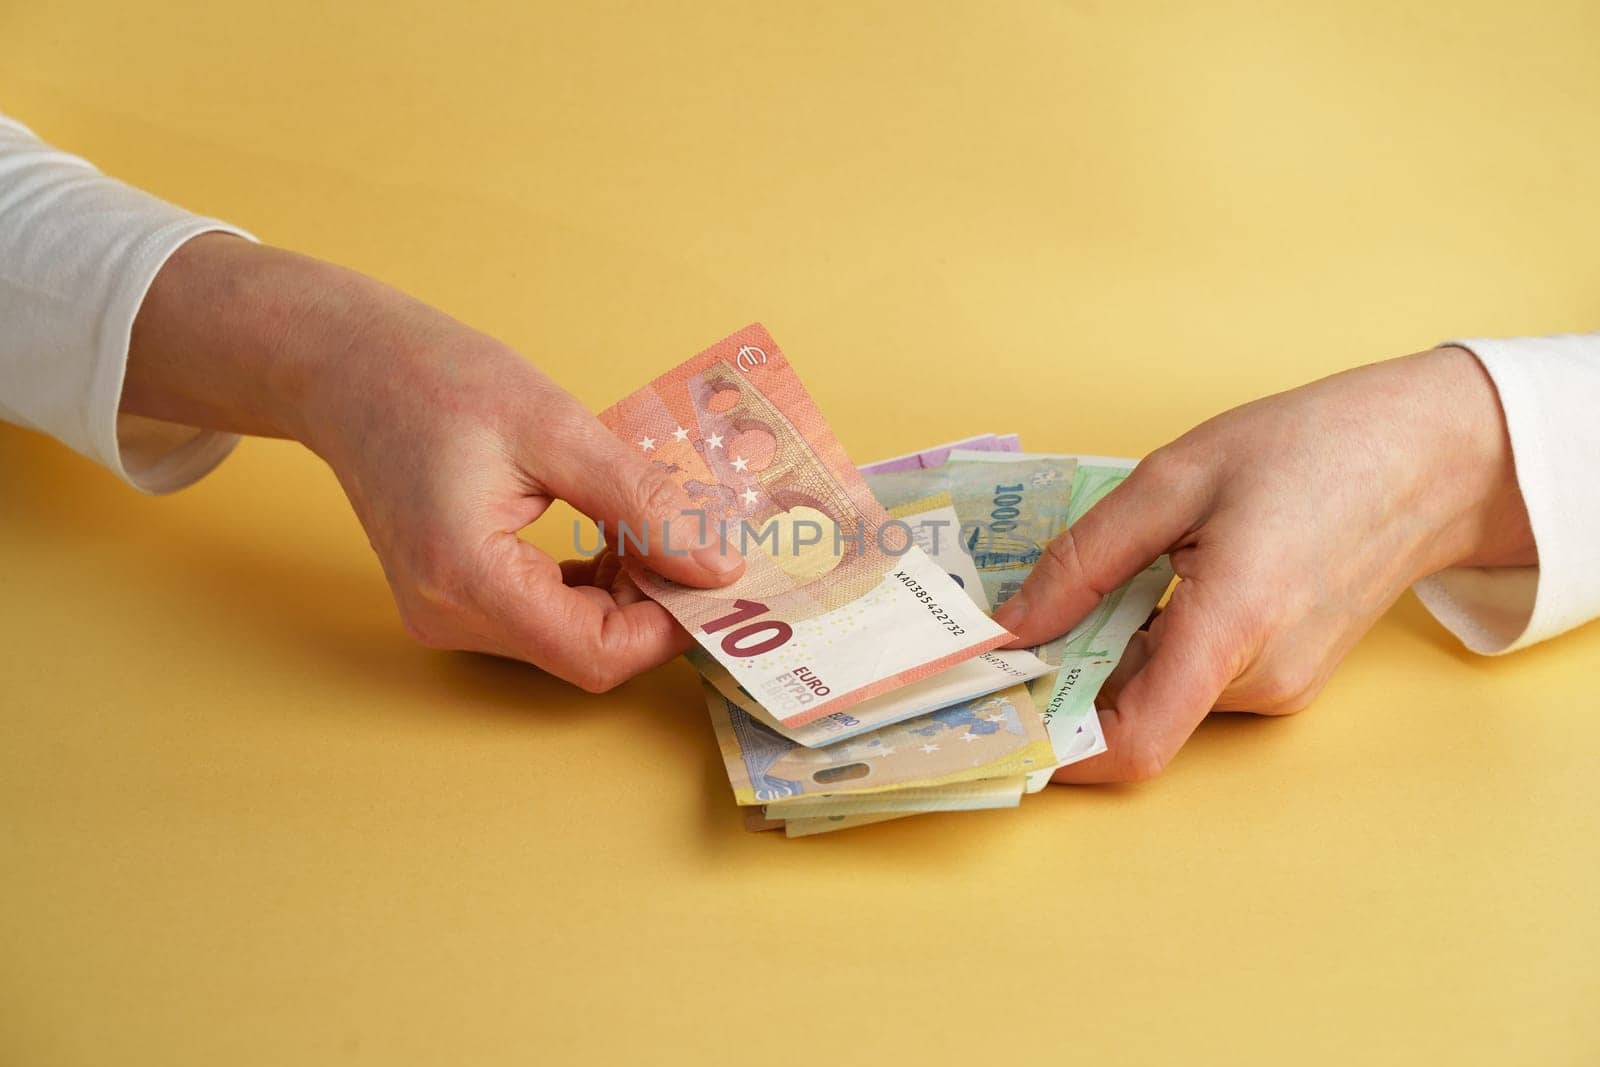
1153, 509
578, 633
1194, 653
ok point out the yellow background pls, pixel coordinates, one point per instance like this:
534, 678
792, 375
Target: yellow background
245, 821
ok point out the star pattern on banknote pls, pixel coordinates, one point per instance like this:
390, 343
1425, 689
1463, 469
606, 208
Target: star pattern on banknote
928, 750
680, 434
995, 717
969, 736
714, 441
647, 443
740, 463
750, 496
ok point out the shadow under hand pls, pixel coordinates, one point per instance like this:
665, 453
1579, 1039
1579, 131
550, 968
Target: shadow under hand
262, 569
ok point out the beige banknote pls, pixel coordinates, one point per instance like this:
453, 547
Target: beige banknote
828, 824
996, 736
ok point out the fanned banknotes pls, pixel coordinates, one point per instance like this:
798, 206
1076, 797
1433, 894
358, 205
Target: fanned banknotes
1080, 660
977, 677
1084, 656
853, 675
933, 526
829, 611
1007, 511
998, 736
976, 795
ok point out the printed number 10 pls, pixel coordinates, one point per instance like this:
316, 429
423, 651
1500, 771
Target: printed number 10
748, 640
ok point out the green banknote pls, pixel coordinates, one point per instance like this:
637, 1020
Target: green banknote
1085, 656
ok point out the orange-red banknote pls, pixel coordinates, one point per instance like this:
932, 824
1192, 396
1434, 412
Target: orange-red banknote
836, 604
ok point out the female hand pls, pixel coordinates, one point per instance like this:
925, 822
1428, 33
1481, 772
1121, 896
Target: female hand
1293, 523
445, 441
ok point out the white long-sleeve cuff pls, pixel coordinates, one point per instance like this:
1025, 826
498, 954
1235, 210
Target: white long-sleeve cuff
78, 252
1550, 392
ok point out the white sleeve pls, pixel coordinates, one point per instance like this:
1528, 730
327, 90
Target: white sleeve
78, 252
1550, 392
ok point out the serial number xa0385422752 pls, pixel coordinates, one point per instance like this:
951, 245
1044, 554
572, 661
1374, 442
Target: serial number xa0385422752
940, 615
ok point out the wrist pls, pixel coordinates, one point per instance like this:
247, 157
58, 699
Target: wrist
251, 339
1484, 520
230, 335
371, 354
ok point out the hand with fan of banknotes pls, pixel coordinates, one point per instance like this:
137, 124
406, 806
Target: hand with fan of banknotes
931, 632
926, 633
853, 674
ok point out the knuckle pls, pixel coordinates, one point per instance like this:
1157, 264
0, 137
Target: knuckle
1292, 707
1143, 763
568, 422
436, 597
601, 681
1062, 553
433, 570
1293, 697
586, 664
1172, 468
424, 630
590, 682
655, 493
443, 593
595, 675
1286, 688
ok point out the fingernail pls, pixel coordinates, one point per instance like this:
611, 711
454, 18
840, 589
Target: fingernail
1012, 612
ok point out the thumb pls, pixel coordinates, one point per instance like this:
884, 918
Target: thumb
1154, 508
639, 507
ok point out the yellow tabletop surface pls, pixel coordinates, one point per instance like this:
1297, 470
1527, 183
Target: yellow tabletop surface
244, 820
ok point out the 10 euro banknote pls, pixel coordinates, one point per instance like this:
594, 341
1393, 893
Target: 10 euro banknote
837, 603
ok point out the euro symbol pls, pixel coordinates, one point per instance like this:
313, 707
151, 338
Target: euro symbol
749, 358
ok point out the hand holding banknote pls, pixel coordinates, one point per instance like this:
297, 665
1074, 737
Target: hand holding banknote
446, 442
838, 604
856, 679
1293, 522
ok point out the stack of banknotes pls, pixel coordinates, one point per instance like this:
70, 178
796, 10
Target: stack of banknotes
853, 674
